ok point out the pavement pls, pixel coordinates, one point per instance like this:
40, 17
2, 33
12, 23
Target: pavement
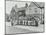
24, 29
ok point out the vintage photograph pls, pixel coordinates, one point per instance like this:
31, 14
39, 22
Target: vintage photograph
23, 17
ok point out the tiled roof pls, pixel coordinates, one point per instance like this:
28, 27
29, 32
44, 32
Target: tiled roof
22, 8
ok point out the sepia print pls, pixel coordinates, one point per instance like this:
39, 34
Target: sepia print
24, 17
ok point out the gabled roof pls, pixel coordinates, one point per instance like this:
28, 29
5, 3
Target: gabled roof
32, 5
36, 4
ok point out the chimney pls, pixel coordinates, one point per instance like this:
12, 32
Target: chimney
16, 6
26, 5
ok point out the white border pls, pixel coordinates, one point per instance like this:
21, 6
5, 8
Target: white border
2, 17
